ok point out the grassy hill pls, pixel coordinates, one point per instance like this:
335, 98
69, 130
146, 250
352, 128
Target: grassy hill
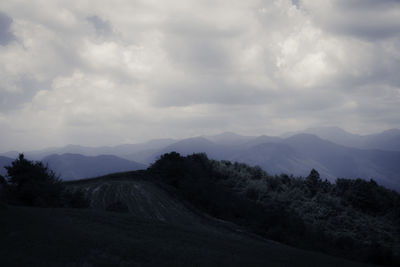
72, 237
135, 193
192, 211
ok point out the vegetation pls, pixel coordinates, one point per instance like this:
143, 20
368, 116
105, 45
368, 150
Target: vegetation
356, 219
33, 184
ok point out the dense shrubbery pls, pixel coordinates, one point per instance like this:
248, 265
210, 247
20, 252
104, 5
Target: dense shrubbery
33, 184
357, 219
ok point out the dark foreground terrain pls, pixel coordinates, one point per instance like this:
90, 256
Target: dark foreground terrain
192, 211
72, 237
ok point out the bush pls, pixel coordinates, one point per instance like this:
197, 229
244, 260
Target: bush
33, 184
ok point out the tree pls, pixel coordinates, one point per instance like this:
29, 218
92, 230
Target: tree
3, 184
33, 184
313, 182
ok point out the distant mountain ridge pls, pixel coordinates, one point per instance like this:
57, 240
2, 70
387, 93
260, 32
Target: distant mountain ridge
386, 140
75, 166
331, 150
4, 161
299, 154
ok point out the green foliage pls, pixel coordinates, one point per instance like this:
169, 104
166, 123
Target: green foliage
313, 182
3, 185
357, 219
33, 184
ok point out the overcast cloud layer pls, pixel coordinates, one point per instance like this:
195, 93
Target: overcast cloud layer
109, 72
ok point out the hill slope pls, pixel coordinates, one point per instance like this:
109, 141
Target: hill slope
133, 192
66, 237
186, 211
299, 154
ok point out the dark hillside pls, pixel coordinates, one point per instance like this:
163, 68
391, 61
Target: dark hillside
356, 219
297, 155
134, 193
186, 211
67, 237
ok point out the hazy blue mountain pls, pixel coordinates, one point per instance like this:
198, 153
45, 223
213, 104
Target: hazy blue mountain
197, 145
299, 154
260, 140
10, 154
336, 135
229, 138
332, 160
277, 158
334, 153
387, 140
75, 166
4, 161
127, 151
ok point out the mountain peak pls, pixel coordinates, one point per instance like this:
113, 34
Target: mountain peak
391, 132
328, 131
228, 138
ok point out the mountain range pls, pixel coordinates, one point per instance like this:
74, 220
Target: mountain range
70, 166
334, 152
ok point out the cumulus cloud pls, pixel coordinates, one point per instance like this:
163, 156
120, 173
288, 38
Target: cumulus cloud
105, 73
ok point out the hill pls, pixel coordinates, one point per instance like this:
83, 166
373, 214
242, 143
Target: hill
75, 166
299, 154
193, 210
68, 237
352, 218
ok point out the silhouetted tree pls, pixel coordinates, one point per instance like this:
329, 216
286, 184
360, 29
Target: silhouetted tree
313, 181
34, 184
3, 184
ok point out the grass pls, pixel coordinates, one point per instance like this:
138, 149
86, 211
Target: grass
72, 237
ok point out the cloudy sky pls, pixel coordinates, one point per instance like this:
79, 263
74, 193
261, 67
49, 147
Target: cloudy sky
110, 72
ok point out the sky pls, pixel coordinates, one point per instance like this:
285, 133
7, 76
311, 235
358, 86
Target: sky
125, 71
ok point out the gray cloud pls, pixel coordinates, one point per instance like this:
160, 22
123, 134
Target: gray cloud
102, 27
28, 87
369, 20
98, 74
6, 35
296, 3
211, 90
